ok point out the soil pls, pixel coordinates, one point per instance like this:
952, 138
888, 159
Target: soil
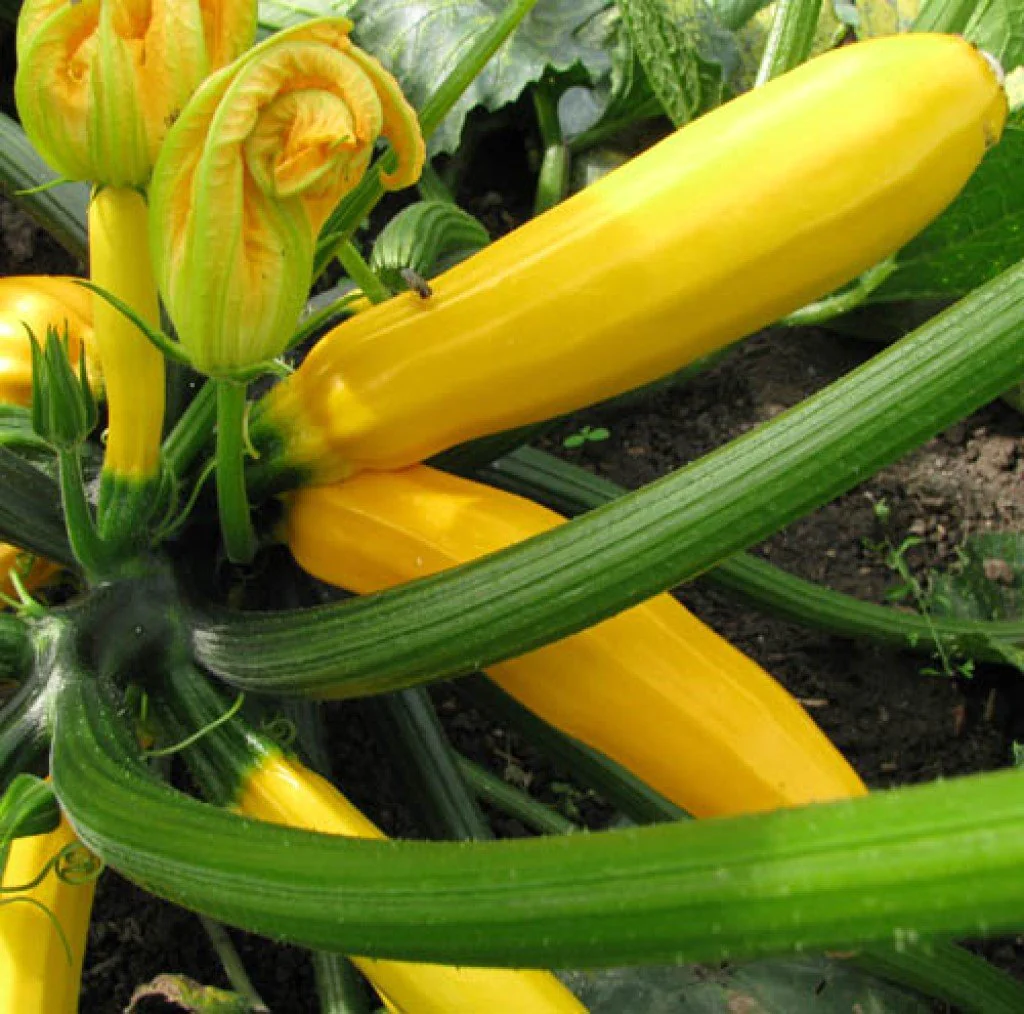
895, 724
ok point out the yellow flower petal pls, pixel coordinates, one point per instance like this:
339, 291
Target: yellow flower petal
99, 82
257, 161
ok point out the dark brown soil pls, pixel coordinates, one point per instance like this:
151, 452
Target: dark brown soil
894, 723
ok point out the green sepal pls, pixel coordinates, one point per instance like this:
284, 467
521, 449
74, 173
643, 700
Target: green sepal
28, 807
64, 409
419, 236
941, 859
167, 345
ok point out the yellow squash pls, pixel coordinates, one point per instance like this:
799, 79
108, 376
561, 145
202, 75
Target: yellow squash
36, 975
37, 572
746, 214
280, 790
40, 301
653, 687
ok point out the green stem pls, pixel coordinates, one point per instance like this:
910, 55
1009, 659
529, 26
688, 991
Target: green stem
413, 733
949, 17
935, 860
60, 210
339, 985
85, 540
233, 967
432, 187
734, 14
345, 219
502, 796
361, 273
577, 574
553, 180
619, 786
232, 499
790, 39
15, 648
823, 310
571, 490
192, 432
30, 511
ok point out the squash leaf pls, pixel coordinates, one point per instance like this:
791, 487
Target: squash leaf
980, 235
998, 26
419, 41
685, 53
277, 14
764, 987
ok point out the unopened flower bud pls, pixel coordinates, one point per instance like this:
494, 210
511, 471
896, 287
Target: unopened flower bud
248, 175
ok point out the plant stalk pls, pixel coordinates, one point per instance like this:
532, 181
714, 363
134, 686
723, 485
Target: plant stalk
232, 498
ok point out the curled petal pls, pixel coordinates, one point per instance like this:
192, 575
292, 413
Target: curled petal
248, 175
100, 81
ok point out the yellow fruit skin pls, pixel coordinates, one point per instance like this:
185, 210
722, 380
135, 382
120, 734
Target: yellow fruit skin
653, 687
40, 301
280, 790
132, 366
36, 576
773, 200
35, 975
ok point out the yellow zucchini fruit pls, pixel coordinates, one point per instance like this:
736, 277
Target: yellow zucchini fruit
132, 366
36, 976
35, 575
653, 688
773, 200
280, 790
41, 301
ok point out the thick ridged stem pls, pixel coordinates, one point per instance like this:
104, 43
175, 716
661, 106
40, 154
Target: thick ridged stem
931, 860
790, 38
30, 511
678, 527
572, 490
409, 725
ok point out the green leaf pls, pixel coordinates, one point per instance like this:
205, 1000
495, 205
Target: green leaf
420, 41
883, 17
277, 14
801, 984
998, 27
28, 807
981, 234
989, 582
419, 236
686, 55
616, 98
183, 993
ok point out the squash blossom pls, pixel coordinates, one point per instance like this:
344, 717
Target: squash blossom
249, 173
99, 82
